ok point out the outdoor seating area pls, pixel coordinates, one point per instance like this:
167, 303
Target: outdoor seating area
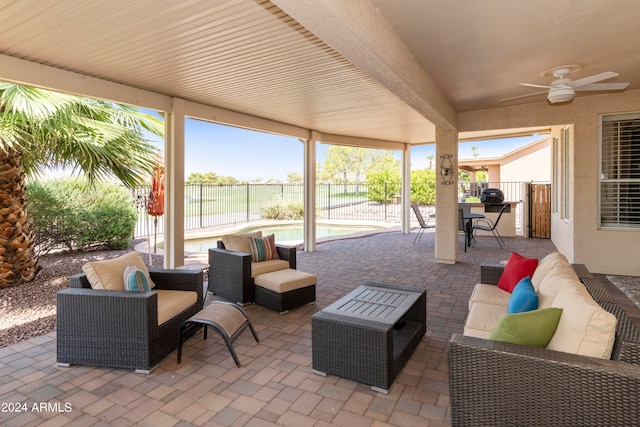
275, 384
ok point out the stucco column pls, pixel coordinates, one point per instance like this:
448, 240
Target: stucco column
174, 185
406, 189
310, 193
446, 199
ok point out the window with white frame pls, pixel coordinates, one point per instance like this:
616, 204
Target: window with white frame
619, 190
555, 201
565, 173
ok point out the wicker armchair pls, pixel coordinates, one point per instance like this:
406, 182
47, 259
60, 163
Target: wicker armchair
500, 384
230, 272
120, 329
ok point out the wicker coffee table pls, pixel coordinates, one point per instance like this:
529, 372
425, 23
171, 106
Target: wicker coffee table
368, 335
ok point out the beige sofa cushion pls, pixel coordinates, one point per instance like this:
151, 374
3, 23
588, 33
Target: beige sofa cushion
239, 242
585, 328
108, 274
483, 318
172, 302
262, 267
489, 294
545, 265
560, 276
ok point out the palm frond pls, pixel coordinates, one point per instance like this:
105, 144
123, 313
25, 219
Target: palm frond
99, 138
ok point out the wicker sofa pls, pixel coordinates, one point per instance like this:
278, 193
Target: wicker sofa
502, 384
231, 271
120, 329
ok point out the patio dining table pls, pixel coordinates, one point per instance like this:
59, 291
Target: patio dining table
468, 227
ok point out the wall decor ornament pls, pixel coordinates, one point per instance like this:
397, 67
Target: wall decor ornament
446, 169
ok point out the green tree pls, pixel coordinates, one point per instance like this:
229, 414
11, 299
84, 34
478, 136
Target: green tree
295, 178
41, 129
345, 164
210, 178
431, 157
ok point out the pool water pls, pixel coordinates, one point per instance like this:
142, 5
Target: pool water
286, 234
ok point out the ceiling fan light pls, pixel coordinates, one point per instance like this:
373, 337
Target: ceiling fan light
563, 94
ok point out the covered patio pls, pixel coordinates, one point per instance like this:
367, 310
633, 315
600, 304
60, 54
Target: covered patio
370, 74
275, 385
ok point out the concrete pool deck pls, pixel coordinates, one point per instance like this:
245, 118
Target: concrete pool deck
203, 257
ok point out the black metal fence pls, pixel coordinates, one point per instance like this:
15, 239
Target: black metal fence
216, 205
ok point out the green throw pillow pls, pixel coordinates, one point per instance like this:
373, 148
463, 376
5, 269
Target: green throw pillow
533, 328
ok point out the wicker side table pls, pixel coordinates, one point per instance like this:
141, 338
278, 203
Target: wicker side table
369, 335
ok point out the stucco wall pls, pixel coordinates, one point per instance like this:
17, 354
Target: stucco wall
578, 236
528, 165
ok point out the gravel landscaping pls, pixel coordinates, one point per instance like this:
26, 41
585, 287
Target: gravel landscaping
29, 310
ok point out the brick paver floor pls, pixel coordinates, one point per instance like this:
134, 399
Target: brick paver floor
275, 385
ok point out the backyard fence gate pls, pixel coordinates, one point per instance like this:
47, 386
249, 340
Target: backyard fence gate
539, 210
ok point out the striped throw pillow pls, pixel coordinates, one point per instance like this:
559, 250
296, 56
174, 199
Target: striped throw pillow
263, 248
135, 280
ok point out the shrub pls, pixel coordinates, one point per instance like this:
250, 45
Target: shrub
423, 187
383, 185
73, 214
283, 207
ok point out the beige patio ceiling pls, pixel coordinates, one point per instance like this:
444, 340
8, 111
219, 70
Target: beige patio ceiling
371, 69
244, 56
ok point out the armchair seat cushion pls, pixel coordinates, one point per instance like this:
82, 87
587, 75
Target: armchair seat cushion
263, 267
171, 303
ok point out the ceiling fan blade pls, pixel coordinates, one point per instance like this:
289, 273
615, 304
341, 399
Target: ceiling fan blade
523, 96
603, 86
592, 79
532, 85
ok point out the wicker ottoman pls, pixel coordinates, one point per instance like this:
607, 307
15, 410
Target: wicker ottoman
285, 289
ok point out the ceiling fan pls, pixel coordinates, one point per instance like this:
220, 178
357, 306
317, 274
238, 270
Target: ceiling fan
563, 89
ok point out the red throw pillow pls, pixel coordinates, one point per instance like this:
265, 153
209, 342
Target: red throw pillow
517, 268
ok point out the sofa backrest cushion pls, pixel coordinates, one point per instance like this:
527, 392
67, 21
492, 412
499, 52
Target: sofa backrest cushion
517, 268
560, 276
545, 265
585, 328
239, 242
108, 274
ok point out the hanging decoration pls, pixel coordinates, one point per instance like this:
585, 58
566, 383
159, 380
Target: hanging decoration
446, 169
155, 202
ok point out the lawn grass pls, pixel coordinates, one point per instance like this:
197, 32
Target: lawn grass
220, 199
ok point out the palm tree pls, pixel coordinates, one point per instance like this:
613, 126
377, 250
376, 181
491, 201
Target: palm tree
40, 129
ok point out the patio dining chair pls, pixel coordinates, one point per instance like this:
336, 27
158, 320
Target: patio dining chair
423, 224
485, 224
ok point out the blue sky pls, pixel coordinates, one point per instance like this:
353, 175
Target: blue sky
249, 155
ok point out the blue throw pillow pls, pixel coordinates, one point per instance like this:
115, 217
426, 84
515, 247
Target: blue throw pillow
523, 298
135, 280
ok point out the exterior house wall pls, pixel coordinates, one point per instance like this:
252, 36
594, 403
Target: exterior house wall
530, 164
578, 235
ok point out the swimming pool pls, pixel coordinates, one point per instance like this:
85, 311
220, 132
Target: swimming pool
288, 234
